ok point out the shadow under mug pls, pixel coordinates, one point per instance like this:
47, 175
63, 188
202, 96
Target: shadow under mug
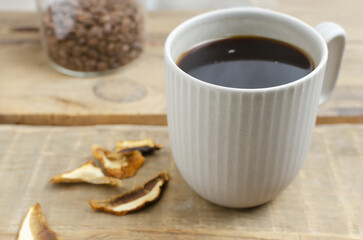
242, 147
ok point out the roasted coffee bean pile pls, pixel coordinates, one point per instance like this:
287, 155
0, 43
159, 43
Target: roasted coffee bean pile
93, 35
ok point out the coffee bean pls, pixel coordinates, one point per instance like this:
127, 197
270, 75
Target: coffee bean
81, 40
112, 38
92, 42
84, 50
110, 47
63, 53
126, 25
104, 58
102, 46
107, 28
85, 18
125, 48
116, 30
77, 51
95, 31
93, 54
78, 64
102, 66
69, 44
105, 18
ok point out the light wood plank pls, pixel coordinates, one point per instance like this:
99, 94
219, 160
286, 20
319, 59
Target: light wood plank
324, 202
31, 92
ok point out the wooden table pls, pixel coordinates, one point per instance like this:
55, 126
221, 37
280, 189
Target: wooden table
324, 202
31, 92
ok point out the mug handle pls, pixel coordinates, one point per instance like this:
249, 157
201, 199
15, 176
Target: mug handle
334, 36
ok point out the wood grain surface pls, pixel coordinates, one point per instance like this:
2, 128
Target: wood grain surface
31, 92
324, 202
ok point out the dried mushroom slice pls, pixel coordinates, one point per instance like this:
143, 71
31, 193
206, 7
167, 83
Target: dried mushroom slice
87, 173
145, 146
34, 226
119, 164
133, 200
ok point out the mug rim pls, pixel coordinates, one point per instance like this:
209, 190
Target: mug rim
168, 46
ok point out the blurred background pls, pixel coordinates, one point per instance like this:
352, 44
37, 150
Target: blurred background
32, 92
30, 5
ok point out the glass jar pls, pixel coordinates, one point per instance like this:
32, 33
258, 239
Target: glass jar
91, 37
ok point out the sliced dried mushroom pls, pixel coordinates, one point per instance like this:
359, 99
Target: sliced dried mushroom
119, 164
133, 200
88, 173
145, 146
34, 226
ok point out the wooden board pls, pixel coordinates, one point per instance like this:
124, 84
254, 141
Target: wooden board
31, 92
324, 202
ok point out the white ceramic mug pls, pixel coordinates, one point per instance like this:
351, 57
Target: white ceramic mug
242, 147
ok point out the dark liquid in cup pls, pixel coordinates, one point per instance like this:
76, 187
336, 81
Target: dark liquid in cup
246, 62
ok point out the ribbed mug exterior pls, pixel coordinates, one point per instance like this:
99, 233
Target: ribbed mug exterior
240, 148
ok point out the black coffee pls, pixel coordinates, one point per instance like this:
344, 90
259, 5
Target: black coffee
246, 62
